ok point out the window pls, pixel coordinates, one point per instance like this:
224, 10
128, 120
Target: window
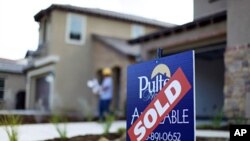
1, 88
76, 28
137, 30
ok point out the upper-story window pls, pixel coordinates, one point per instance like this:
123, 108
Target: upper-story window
1, 89
137, 30
76, 29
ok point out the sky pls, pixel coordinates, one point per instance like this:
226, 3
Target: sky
19, 31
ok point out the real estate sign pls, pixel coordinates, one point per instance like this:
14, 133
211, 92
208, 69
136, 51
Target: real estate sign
160, 99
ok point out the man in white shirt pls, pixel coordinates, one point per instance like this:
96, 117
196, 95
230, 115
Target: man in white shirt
106, 92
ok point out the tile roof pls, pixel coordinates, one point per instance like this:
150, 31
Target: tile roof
10, 66
103, 13
121, 45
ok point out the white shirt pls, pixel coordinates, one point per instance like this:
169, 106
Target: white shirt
106, 88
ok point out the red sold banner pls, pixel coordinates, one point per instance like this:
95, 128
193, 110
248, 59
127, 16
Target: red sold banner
170, 95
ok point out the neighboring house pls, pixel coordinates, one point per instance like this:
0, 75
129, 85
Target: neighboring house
12, 85
220, 36
74, 45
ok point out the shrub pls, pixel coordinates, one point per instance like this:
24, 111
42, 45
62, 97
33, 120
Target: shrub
11, 123
89, 117
217, 119
60, 124
121, 131
239, 120
108, 122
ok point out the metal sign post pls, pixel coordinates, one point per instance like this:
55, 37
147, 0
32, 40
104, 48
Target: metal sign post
159, 52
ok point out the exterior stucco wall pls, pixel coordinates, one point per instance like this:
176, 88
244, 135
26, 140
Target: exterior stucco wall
73, 69
238, 21
204, 7
113, 28
13, 84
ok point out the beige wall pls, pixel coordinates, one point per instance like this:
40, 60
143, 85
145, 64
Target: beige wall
238, 21
13, 84
204, 7
76, 66
72, 71
114, 28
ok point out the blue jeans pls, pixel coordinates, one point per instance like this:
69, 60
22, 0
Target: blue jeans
103, 108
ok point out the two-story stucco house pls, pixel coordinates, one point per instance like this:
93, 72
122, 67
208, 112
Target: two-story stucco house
74, 45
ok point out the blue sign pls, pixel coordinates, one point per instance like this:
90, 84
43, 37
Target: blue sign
151, 82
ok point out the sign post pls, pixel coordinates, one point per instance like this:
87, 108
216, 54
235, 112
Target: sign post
160, 95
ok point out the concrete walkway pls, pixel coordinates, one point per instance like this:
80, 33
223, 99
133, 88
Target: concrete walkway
38, 132
212, 134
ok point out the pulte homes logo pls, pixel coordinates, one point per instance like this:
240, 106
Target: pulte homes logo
149, 87
161, 104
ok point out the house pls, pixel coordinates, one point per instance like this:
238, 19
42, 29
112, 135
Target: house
220, 36
12, 84
75, 44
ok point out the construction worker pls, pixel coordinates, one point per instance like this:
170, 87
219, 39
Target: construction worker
106, 92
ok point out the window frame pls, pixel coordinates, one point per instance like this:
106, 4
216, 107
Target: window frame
82, 32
